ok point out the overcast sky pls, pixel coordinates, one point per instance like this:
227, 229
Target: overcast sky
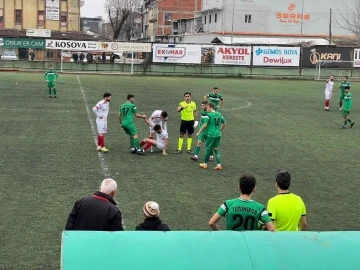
93, 8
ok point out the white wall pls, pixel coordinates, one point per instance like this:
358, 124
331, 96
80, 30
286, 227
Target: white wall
265, 16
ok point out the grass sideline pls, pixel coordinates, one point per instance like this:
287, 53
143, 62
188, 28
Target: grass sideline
49, 157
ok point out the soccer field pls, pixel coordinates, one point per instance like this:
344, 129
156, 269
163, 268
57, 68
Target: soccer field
49, 159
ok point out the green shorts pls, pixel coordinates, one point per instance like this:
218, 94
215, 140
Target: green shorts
129, 129
51, 84
212, 142
346, 113
342, 96
202, 137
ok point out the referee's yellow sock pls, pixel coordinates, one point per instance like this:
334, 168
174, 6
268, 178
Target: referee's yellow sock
189, 143
180, 144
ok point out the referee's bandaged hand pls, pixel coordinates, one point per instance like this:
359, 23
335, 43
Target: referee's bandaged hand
196, 124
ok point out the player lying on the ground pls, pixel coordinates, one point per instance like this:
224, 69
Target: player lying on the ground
158, 117
161, 141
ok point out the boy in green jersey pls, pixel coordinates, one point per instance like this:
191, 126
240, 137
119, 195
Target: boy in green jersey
243, 214
50, 77
127, 111
215, 98
213, 124
202, 137
342, 86
347, 107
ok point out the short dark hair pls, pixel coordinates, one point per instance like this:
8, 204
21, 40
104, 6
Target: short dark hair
205, 102
347, 87
187, 93
211, 105
247, 183
346, 77
157, 127
164, 114
283, 179
215, 88
130, 96
106, 95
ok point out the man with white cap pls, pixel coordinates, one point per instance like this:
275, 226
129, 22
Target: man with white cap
152, 221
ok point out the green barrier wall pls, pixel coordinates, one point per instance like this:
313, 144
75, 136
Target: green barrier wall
222, 250
173, 69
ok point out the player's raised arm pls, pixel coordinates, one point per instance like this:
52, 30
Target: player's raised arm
206, 97
148, 122
179, 108
221, 102
137, 115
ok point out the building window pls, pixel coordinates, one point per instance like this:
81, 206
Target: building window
215, 17
41, 18
1, 17
247, 18
63, 18
18, 16
167, 16
209, 18
205, 20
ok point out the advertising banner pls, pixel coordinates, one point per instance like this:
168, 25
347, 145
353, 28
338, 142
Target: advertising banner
72, 45
312, 56
177, 53
52, 10
38, 33
22, 43
124, 46
356, 57
225, 55
276, 56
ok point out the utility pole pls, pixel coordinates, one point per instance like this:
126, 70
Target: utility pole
330, 25
232, 23
302, 18
195, 9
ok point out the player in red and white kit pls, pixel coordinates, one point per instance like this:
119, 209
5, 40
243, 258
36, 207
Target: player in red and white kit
161, 141
101, 109
158, 117
329, 92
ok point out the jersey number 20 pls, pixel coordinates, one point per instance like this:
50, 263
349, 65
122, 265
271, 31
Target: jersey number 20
245, 222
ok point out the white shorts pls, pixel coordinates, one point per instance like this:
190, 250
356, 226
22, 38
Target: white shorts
327, 95
101, 126
160, 145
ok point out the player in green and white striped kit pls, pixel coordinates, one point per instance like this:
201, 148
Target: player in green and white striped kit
51, 76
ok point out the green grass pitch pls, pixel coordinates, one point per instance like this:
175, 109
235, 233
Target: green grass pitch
49, 158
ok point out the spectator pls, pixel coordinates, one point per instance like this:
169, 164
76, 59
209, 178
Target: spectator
152, 221
286, 209
75, 57
97, 212
32, 55
243, 213
89, 57
82, 57
103, 57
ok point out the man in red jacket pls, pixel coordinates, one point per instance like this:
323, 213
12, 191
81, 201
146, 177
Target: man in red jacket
97, 212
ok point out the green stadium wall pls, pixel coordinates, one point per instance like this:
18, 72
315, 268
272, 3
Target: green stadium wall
179, 70
199, 250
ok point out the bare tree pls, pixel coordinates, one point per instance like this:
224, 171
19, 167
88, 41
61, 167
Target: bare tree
118, 12
349, 19
131, 28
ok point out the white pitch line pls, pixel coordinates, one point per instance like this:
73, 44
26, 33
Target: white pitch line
31, 110
103, 163
241, 107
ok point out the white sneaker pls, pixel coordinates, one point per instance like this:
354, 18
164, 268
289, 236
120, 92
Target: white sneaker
341, 108
152, 150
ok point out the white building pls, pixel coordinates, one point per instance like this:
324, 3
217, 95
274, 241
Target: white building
280, 18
